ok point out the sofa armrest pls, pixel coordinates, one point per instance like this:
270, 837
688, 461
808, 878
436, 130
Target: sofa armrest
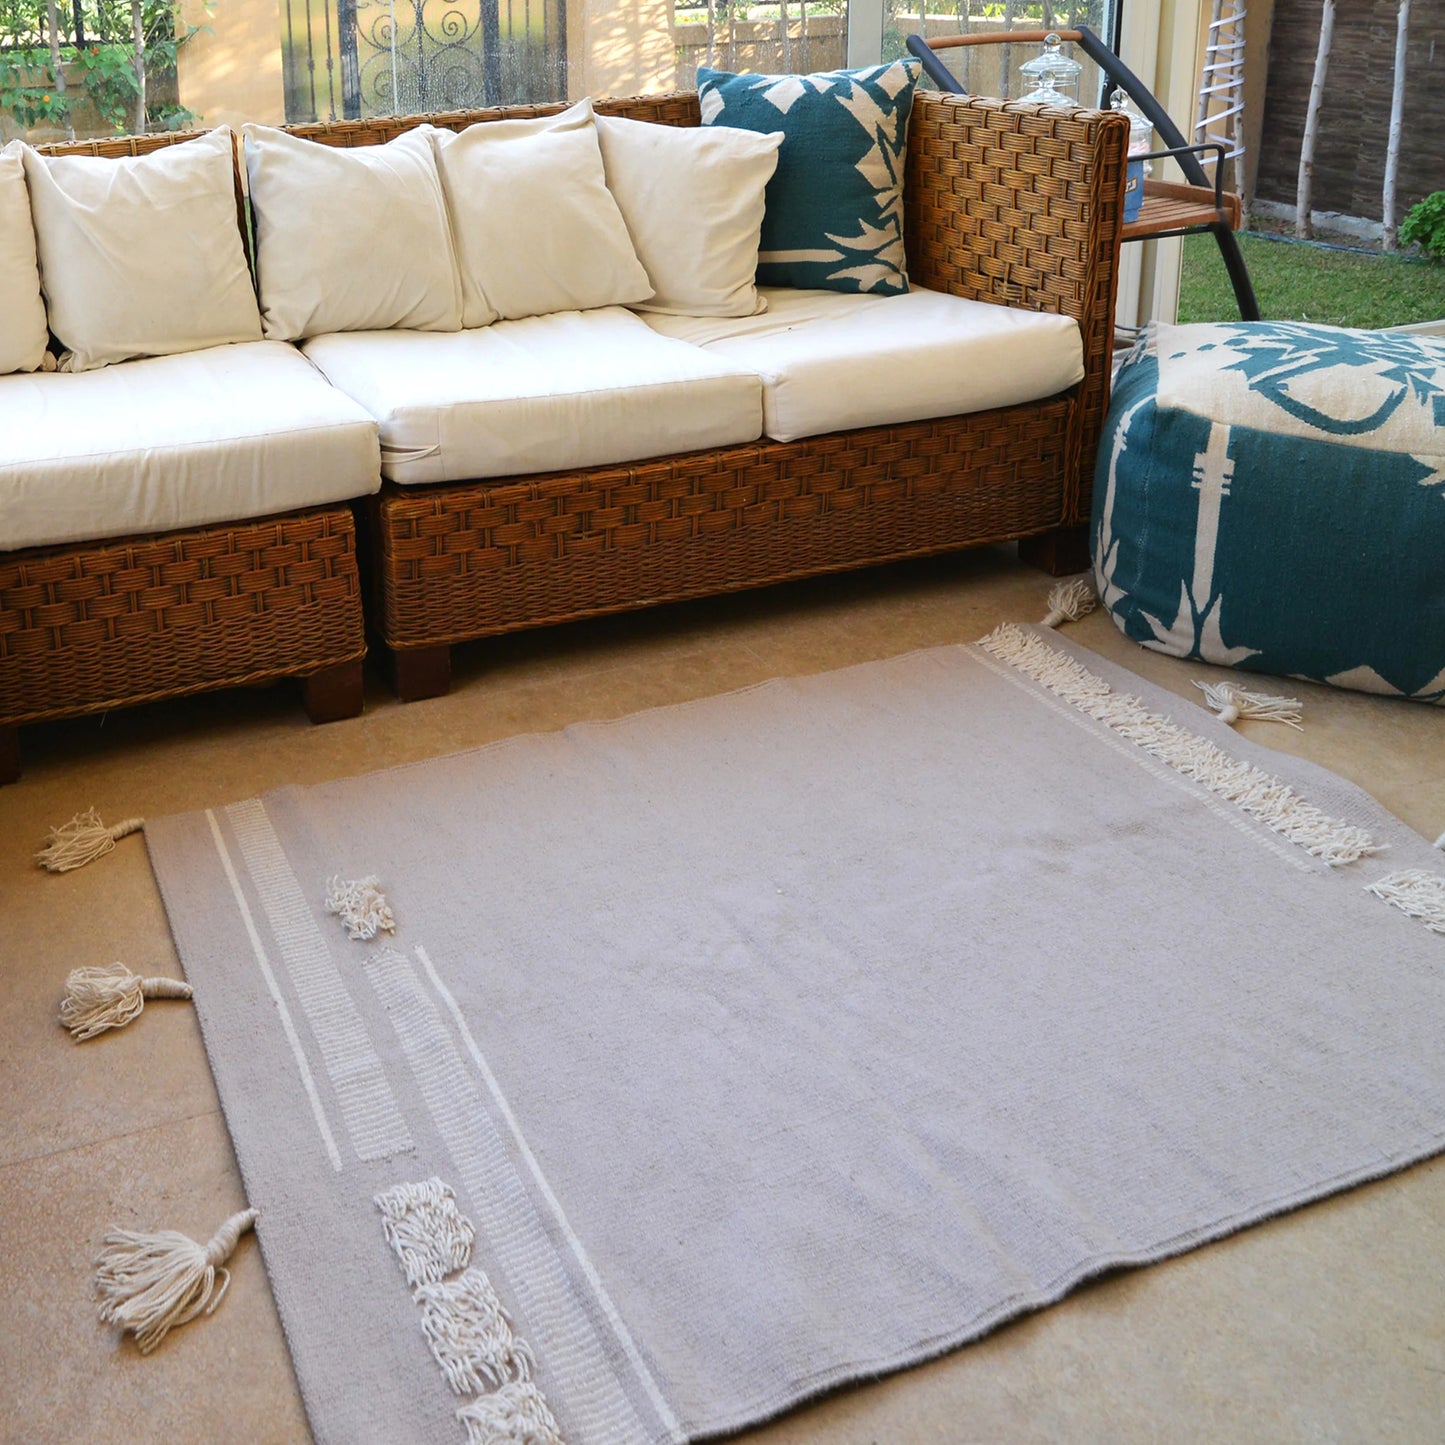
1021, 205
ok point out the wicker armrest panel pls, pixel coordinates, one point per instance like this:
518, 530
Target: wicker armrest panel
105, 624
1021, 205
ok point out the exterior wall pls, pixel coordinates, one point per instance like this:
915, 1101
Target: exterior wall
233, 74
1355, 117
620, 47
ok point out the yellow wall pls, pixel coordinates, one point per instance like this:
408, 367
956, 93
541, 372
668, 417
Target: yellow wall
234, 73
620, 47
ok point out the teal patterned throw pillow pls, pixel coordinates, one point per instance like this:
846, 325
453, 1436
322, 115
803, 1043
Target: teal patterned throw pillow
834, 207
1271, 496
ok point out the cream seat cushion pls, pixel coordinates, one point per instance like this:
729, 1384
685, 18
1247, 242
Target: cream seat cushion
177, 441
536, 228
574, 389
831, 361
350, 238
23, 334
142, 255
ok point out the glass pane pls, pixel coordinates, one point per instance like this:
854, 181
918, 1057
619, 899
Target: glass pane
790, 37
994, 69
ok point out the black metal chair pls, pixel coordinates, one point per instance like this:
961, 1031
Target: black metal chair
1168, 209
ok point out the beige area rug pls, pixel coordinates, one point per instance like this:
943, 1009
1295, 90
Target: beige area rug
740, 1049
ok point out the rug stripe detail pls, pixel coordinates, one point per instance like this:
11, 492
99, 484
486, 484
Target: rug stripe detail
369, 1108
288, 1026
1222, 809
584, 1262
1273, 802
562, 1332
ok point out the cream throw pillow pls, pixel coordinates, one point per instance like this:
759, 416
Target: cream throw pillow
536, 228
352, 239
23, 335
692, 197
142, 256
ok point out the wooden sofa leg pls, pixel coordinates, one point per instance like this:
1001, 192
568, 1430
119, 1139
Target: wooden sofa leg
333, 693
421, 672
9, 755
1060, 552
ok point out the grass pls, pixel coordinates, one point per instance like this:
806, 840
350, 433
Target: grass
1296, 282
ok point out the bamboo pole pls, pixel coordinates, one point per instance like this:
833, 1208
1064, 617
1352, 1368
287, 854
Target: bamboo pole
57, 69
1304, 228
138, 39
1391, 237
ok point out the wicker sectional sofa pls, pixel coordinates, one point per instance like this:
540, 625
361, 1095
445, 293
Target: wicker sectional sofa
1004, 204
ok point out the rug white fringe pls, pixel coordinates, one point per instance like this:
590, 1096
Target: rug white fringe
1069, 601
515, 1415
1258, 793
362, 906
429, 1235
150, 1283
82, 840
1232, 702
1440, 841
470, 1333
109, 996
1415, 893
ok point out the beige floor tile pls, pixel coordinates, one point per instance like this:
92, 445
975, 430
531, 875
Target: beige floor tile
1325, 1325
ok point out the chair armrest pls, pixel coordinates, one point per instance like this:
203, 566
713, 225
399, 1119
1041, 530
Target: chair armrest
1021, 205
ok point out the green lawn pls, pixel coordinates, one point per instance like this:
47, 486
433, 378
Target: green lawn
1311, 283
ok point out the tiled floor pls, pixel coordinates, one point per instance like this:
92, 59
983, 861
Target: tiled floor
1325, 1325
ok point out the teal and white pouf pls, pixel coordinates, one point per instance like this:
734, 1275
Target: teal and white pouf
1271, 496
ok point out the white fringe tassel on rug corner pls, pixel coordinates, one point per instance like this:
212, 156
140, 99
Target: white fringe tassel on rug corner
361, 905
109, 996
1415, 893
1233, 702
1251, 789
150, 1283
1069, 601
82, 840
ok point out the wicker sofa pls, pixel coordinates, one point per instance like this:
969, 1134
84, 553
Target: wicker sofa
1004, 203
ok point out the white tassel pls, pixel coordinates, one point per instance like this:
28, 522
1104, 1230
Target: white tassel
109, 997
362, 906
1440, 841
1069, 601
1232, 702
82, 840
516, 1414
150, 1283
1415, 893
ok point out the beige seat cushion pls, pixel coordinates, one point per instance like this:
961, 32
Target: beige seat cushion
832, 361
23, 337
177, 441
142, 255
574, 389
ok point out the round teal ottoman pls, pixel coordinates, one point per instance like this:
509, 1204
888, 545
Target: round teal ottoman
1271, 496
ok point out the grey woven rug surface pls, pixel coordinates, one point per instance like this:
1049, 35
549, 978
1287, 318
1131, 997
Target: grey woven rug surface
746, 1047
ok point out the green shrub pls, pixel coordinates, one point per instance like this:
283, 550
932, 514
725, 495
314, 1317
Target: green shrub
1426, 224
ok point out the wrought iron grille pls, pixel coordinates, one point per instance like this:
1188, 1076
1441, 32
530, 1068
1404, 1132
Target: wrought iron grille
348, 59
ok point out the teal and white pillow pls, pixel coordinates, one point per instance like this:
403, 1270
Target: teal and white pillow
1271, 496
834, 209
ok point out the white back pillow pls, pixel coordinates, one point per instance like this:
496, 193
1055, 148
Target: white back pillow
692, 197
23, 336
351, 239
142, 255
536, 228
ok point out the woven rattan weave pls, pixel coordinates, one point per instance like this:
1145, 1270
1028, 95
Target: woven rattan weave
90, 626
1013, 204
